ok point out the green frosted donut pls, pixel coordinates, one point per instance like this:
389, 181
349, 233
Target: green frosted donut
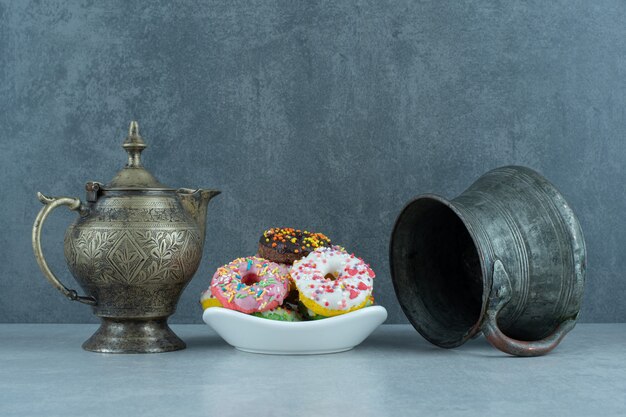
279, 314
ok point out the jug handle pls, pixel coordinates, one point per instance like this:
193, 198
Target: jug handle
50, 203
499, 296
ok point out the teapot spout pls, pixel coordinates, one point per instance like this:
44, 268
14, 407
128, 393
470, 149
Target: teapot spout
195, 202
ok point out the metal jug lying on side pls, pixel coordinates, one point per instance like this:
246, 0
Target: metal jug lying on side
134, 247
506, 257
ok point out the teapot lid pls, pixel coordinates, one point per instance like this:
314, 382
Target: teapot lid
134, 176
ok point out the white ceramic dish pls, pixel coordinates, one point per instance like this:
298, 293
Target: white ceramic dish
257, 335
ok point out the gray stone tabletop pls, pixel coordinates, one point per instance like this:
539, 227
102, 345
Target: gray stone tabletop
44, 372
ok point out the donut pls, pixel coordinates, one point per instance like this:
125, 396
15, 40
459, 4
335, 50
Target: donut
208, 300
286, 245
280, 314
331, 281
250, 285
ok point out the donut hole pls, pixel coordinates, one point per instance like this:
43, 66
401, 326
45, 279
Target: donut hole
250, 279
331, 276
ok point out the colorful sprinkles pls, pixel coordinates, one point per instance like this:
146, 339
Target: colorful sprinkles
288, 239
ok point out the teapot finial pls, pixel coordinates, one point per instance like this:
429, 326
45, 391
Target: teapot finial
134, 176
134, 144
133, 130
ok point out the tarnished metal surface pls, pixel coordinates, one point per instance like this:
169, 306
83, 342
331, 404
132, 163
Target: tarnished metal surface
506, 257
133, 249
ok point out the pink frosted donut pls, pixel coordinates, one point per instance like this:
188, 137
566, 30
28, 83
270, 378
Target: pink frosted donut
283, 270
250, 285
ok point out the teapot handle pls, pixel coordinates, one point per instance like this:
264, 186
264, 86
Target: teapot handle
50, 203
499, 297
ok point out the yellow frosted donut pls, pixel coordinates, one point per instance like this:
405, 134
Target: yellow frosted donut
208, 300
327, 312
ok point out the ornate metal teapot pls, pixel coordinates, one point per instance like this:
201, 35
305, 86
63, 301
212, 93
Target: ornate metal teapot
133, 248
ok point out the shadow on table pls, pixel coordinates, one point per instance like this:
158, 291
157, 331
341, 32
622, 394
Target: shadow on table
400, 342
481, 348
205, 342
413, 343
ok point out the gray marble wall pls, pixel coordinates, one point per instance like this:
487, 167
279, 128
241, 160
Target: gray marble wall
324, 115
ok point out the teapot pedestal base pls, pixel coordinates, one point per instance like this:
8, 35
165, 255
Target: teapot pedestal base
133, 336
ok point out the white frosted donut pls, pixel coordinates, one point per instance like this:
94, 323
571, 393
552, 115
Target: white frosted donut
349, 290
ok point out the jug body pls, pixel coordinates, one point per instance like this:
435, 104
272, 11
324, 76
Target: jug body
506, 257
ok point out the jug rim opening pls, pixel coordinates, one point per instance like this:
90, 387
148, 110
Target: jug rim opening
433, 236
